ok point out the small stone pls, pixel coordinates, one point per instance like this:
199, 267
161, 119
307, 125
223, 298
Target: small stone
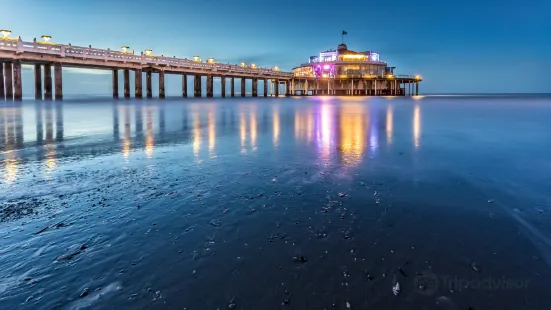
27, 279
347, 305
84, 293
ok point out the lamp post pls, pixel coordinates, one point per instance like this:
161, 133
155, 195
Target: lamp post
148, 52
46, 38
5, 33
124, 49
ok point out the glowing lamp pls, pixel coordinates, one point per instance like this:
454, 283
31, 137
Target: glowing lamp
210, 60
390, 76
148, 52
325, 75
5, 33
46, 38
417, 77
253, 65
276, 68
326, 67
125, 49
243, 64
196, 58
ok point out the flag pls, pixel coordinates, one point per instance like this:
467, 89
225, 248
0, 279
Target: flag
344, 33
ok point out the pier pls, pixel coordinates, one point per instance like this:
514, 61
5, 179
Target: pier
46, 56
343, 72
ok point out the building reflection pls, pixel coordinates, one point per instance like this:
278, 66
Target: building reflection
253, 128
417, 125
11, 138
304, 125
325, 130
389, 123
243, 131
127, 133
353, 132
275, 139
212, 131
196, 134
149, 133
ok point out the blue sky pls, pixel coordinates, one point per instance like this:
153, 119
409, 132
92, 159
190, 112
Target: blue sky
470, 46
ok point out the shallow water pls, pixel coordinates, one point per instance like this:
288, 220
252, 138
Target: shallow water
287, 203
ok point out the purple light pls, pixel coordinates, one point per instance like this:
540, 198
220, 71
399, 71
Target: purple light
326, 67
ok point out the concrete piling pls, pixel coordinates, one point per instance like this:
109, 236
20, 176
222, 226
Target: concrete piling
115, 74
255, 87
126, 83
161, 84
197, 86
48, 82
243, 87
184, 85
210, 86
223, 86
232, 84
37, 82
138, 91
17, 83
149, 84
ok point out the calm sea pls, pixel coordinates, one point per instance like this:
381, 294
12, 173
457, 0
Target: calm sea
435, 202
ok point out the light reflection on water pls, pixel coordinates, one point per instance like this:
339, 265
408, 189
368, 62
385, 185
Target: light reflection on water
346, 130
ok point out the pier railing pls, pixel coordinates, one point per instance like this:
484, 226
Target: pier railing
18, 46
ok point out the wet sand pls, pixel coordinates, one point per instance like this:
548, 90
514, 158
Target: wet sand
308, 203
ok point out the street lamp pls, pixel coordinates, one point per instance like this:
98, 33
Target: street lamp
46, 38
243, 64
5, 33
148, 52
124, 49
276, 68
210, 60
417, 77
253, 66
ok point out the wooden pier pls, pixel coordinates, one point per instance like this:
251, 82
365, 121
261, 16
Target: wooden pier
15, 52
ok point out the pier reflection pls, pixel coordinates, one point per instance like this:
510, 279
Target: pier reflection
11, 137
348, 132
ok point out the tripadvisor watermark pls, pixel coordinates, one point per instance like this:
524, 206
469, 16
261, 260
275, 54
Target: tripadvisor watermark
428, 283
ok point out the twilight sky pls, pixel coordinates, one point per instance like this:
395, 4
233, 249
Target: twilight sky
469, 46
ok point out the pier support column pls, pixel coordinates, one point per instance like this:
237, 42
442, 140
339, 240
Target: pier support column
138, 83
232, 85
243, 81
223, 86
287, 88
161, 84
197, 86
47, 82
305, 88
126, 83
8, 71
210, 84
416, 88
375, 87
37, 82
255, 87
17, 83
265, 87
115, 83
58, 79
184, 86
276, 90
148, 84
2, 89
